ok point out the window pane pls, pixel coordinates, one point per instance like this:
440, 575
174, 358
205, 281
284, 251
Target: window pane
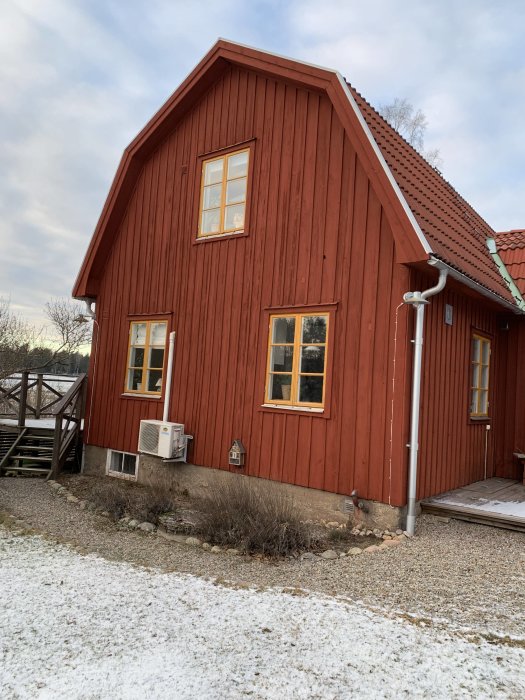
484, 378
128, 464
138, 333
135, 379
137, 357
212, 197
115, 464
475, 375
238, 165
283, 330
311, 389
474, 401
234, 218
485, 353
213, 170
312, 358
314, 329
211, 221
280, 387
483, 402
282, 359
475, 349
236, 191
155, 380
156, 358
157, 334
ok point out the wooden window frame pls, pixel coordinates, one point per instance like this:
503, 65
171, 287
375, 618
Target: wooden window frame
291, 404
145, 367
224, 153
484, 340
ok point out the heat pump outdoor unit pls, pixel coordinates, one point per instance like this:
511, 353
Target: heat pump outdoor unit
162, 439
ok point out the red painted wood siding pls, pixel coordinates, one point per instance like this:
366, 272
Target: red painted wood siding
318, 235
452, 446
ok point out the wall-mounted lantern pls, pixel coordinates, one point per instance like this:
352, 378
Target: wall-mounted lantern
237, 452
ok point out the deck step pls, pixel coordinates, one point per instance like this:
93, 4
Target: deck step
36, 448
474, 515
30, 458
27, 470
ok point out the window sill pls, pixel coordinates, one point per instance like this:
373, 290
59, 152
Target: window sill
304, 410
476, 420
219, 237
141, 396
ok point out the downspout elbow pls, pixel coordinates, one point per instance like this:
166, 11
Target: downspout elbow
443, 274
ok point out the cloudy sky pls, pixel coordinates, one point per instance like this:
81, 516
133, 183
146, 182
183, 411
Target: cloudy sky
79, 78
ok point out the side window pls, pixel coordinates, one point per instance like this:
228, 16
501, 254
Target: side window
147, 346
480, 370
297, 351
224, 187
121, 464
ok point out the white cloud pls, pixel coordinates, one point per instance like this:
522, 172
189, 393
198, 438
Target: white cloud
79, 79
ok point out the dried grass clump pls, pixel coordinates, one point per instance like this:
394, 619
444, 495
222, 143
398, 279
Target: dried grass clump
110, 496
144, 503
255, 517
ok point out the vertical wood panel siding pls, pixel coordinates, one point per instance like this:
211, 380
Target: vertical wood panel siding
452, 446
317, 235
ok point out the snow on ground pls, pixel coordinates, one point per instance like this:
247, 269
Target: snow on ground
75, 626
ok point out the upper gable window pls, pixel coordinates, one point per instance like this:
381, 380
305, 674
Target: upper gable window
224, 184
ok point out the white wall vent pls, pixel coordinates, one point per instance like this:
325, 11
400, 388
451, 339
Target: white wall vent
163, 439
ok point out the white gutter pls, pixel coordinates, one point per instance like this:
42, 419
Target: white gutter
169, 372
469, 282
419, 301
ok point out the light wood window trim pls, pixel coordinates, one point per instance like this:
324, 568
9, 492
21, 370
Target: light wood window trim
224, 183
145, 366
480, 365
296, 362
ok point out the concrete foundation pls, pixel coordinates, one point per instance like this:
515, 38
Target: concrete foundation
317, 505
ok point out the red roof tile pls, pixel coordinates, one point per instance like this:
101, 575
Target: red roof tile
511, 248
455, 231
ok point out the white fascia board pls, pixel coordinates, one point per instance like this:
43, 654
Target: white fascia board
384, 165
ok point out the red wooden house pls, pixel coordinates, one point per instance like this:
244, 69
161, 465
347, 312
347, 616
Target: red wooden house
274, 221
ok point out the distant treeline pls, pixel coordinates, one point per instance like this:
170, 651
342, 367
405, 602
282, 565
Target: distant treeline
41, 359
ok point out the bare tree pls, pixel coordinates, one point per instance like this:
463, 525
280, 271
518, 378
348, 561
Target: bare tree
70, 328
411, 124
23, 347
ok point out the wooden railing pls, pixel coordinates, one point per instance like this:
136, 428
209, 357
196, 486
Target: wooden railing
68, 413
31, 395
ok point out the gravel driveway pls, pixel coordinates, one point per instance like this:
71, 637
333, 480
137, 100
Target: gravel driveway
466, 575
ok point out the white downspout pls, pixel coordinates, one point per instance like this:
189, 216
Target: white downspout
418, 300
168, 377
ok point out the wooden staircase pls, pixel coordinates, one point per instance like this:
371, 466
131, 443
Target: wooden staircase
42, 450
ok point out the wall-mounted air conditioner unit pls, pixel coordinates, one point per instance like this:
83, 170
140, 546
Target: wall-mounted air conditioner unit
162, 439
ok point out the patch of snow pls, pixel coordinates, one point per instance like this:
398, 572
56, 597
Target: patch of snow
39, 423
75, 626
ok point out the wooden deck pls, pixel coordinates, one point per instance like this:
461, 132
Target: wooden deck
497, 502
40, 423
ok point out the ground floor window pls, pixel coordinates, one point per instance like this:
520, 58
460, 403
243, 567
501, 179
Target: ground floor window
479, 387
297, 351
122, 464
